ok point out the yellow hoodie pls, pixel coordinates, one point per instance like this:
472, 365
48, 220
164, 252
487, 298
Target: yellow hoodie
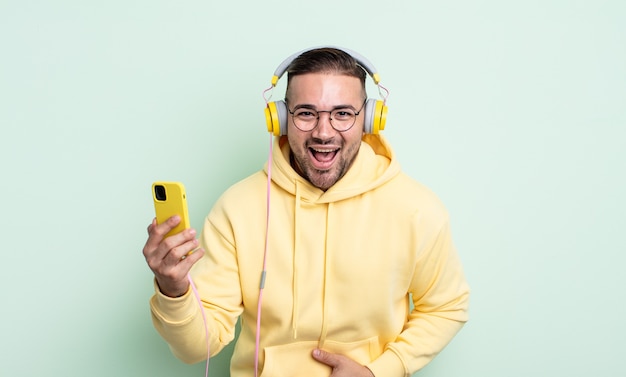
342, 267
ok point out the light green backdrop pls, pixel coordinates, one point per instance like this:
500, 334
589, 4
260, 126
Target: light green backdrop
512, 111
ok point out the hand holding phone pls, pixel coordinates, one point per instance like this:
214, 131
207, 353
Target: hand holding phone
171, 261
170, 199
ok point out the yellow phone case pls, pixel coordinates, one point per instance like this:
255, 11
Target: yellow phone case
170, 199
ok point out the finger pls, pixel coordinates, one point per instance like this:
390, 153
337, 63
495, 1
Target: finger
179, 246
156, 233
330, 359
191, 257
172, 248
152, 225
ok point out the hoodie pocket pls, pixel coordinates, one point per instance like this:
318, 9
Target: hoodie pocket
295, 360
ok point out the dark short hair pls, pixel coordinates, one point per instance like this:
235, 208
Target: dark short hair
325, 60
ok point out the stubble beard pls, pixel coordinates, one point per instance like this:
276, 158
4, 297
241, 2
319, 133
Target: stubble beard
325, 179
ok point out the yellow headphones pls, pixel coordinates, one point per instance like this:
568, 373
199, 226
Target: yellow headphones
375, 111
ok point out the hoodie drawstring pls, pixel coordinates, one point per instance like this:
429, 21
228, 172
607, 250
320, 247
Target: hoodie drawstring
296, 246
325, 286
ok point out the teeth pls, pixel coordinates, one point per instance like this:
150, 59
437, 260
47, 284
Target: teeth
324, 150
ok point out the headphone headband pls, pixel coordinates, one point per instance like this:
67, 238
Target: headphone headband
363, 62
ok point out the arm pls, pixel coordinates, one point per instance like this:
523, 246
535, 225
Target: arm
170, 262
178, 317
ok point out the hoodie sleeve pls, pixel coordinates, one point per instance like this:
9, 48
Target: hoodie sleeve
440, 298
180, 320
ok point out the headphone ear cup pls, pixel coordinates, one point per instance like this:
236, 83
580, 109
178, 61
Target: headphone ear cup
276, 118
375, 116
281, 108
380, 117
368, 112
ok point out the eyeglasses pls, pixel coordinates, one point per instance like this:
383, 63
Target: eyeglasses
341, 119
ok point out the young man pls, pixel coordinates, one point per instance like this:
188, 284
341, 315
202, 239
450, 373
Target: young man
351, 241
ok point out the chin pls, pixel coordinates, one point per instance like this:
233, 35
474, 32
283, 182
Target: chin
324, 180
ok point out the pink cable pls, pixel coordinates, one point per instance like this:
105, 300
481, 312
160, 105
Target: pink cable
262, 284
264, 272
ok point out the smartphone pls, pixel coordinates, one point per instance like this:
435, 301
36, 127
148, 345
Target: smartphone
169, 200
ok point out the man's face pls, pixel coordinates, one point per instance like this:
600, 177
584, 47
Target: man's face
323, 155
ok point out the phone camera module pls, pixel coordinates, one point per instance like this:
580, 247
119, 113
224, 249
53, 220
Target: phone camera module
159, 192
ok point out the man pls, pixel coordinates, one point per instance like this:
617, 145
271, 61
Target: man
351, 241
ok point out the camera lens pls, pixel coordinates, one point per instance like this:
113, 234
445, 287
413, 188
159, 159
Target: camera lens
159, 192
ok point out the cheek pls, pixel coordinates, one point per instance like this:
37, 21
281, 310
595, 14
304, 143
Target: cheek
351, 148
354, 137
296, 143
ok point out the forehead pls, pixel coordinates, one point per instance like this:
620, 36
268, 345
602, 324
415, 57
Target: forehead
325, 88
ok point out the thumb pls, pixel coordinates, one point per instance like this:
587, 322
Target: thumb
327, 358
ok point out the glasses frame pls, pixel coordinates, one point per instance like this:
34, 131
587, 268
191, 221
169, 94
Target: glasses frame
330, 118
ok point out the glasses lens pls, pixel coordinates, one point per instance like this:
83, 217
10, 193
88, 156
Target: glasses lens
342, 119
305, 119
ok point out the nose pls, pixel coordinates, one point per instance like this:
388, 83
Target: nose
324, 129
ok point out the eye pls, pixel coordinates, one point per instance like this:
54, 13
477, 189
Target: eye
343, 114
305, 114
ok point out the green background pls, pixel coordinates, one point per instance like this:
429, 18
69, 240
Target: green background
512, 111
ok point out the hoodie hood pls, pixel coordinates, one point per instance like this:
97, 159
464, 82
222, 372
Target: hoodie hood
374, 165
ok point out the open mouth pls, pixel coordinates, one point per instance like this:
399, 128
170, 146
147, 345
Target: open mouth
323, 158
